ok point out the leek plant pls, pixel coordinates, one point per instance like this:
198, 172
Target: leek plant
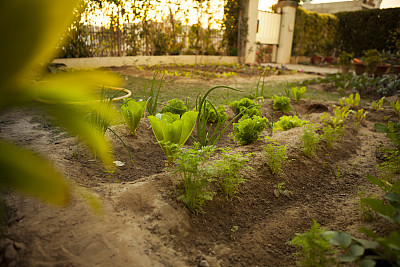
101, 116
205, 135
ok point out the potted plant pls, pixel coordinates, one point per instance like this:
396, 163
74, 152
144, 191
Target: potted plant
329, 48
345, 61
359, 66
374, 63
316, 59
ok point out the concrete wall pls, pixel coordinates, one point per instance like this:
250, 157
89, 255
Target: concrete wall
335, 7
97, 62
251, 47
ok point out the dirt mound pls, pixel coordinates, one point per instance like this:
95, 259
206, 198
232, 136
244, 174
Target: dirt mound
144, 224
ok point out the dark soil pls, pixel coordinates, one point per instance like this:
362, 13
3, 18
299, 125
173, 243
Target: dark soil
145, 225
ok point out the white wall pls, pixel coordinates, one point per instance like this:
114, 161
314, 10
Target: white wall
97, 62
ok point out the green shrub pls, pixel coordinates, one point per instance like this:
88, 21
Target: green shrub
368, 29
230, 171
282, 103
191, 167
175, 106
310, 140
244, 103
314, 246
332, 135
314, 33
247, 130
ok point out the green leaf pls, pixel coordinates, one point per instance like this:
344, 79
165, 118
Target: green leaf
346, 258
367, 244
368, 233
377, 181
368, 263
356, 250
341, 239
171, 128
394, 240
28, 173
393, 197
380, 128
189, 121
387, 211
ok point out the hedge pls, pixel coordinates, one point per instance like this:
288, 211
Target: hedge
369, 29
314, 33
354, 31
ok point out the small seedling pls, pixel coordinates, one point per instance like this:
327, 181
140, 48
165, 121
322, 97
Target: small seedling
359, 116
233, 230
366, 213
280, 190
378, 105
396, 107
351, 101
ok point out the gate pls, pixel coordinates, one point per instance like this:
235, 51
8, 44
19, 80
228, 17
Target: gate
268, 27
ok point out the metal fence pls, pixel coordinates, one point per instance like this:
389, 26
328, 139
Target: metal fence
148, 39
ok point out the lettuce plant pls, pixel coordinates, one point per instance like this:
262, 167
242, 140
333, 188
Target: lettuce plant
174, 106
247, 130
288, 122
339, 116
170, 128
133, 112
249, 106
215, 114
282, 103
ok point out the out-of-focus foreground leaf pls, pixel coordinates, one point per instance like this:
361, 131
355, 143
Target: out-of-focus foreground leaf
22, 170
31, 30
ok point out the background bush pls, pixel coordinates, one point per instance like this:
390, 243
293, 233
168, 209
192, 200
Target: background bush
369, 29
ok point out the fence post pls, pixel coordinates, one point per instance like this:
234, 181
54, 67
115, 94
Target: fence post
251, 47
288, 10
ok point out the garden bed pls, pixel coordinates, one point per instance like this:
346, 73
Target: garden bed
145, 225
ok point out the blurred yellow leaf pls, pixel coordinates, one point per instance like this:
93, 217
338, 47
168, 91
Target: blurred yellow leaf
28, 173
30, 30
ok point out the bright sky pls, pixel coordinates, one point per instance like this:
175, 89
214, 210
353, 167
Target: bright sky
216, 6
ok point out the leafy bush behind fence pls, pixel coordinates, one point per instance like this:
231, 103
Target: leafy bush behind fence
149, 38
